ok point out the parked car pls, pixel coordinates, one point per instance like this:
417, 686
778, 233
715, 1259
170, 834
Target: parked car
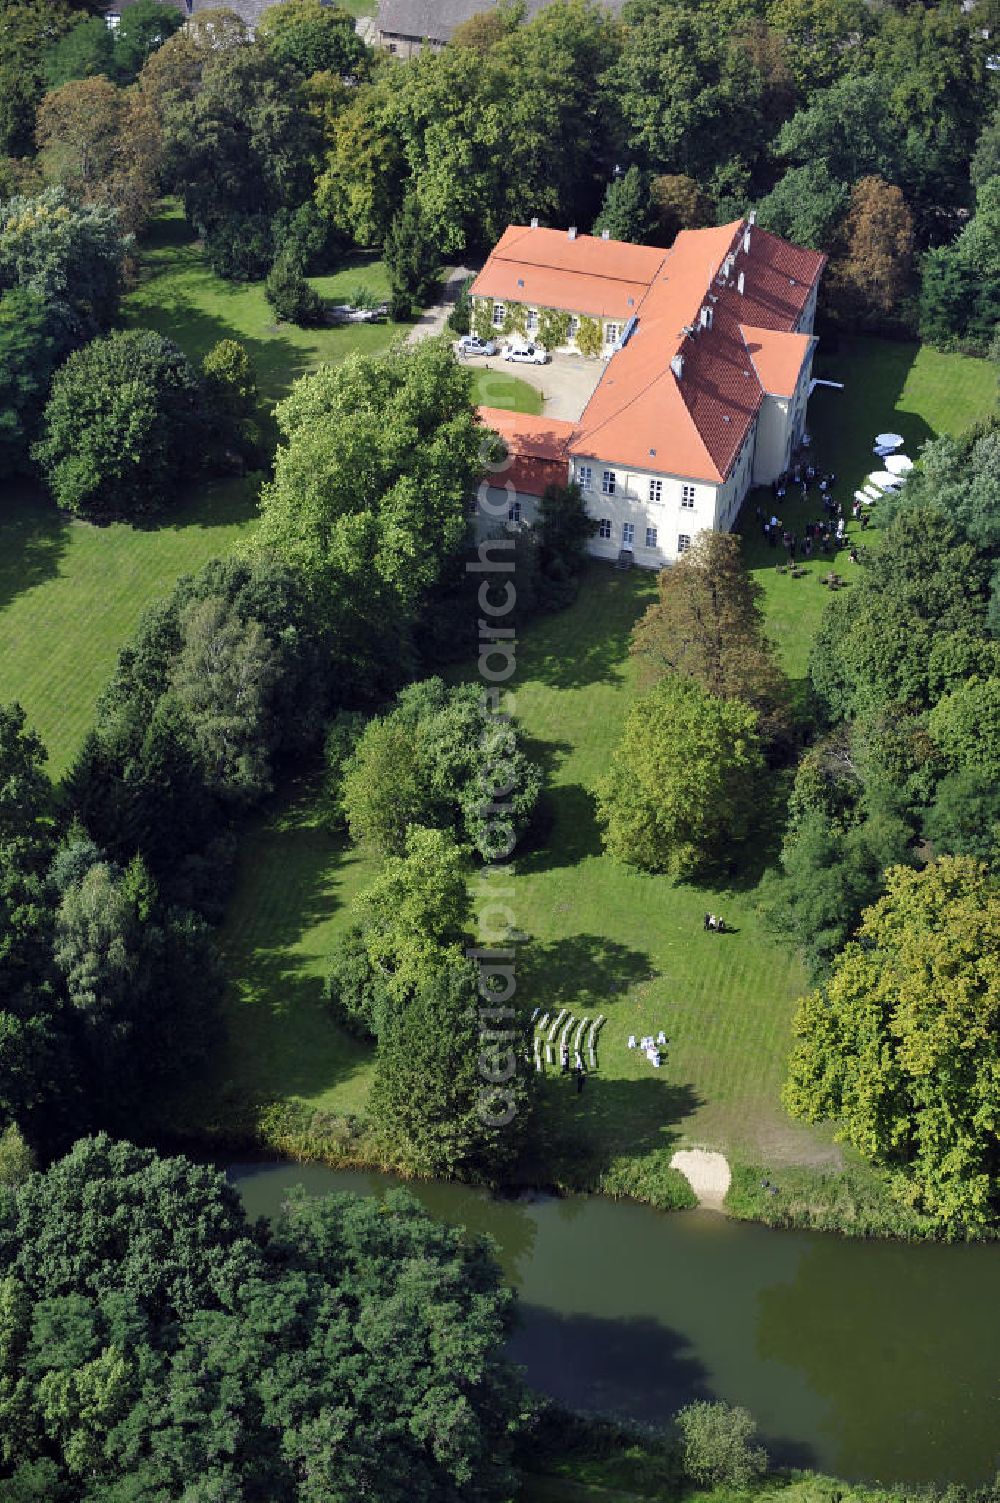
471, 344
526, 354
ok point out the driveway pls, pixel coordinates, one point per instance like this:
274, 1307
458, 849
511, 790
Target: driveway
566, 383
433, 319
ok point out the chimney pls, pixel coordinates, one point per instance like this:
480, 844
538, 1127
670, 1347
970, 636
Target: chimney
740, 284
706, 317
605, 234
571, 232
746, 241
752, 217
677, 366
534, 221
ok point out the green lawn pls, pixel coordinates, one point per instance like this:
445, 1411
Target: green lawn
70, 594
599, 937
888, 386
180, 295
499, 389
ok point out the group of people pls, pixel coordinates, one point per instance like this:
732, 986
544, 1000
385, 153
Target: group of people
715, 923
825, 534
804, 476
578, 1069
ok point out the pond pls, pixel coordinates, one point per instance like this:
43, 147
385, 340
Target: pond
864, 1359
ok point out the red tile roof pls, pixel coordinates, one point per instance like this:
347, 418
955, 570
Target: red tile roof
546, 269
642, 413
776, 357
537, 447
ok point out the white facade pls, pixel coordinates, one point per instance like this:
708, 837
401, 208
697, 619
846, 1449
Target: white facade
611, 328
654, 515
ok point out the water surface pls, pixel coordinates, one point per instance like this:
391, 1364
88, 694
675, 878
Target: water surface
865, 1359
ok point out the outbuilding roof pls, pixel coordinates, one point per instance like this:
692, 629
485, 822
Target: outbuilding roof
536, 447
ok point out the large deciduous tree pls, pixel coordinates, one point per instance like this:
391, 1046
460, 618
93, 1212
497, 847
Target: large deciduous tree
103, 145
70, 256
154, 1345
902, 1046
313, 38
439, 759
28, 31
683, 782
121, 426
873, 274
380, 454
708, 625
239, 145
29, 353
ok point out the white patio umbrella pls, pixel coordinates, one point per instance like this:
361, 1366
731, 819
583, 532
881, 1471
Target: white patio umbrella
899, 464
884, 481
889, 440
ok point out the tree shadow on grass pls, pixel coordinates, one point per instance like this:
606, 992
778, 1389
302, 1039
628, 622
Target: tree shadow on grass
33, 539
588, 642
283, 1040
277, 361
582, 971
563, 832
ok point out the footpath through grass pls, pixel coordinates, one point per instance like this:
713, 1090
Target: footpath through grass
599, 937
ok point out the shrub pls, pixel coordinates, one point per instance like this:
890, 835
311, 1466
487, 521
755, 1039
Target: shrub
460, 317
291, 296
717, 1445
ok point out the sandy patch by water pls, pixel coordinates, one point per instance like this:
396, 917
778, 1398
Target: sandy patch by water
706, 1173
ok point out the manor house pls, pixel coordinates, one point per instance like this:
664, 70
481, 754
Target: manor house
707, 352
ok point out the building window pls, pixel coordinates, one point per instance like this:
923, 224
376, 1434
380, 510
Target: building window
532, 320
656, 490
585, 476
604, 527
611, 332
650, 537
499, 314
608, 482
683, 543
628, 534
514, 512
392, 47
687, 496
574, 324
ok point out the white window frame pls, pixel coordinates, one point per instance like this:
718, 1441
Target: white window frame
532, 320
612, 333
655, 491
650, 537
609, 481
628, 534
687, 497
604, 528
514, 512
574, 327
683, 543
499, 314
585, 476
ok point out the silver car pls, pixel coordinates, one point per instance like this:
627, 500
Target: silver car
471, 344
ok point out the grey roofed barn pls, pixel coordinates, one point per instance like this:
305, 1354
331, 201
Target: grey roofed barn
435, 20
